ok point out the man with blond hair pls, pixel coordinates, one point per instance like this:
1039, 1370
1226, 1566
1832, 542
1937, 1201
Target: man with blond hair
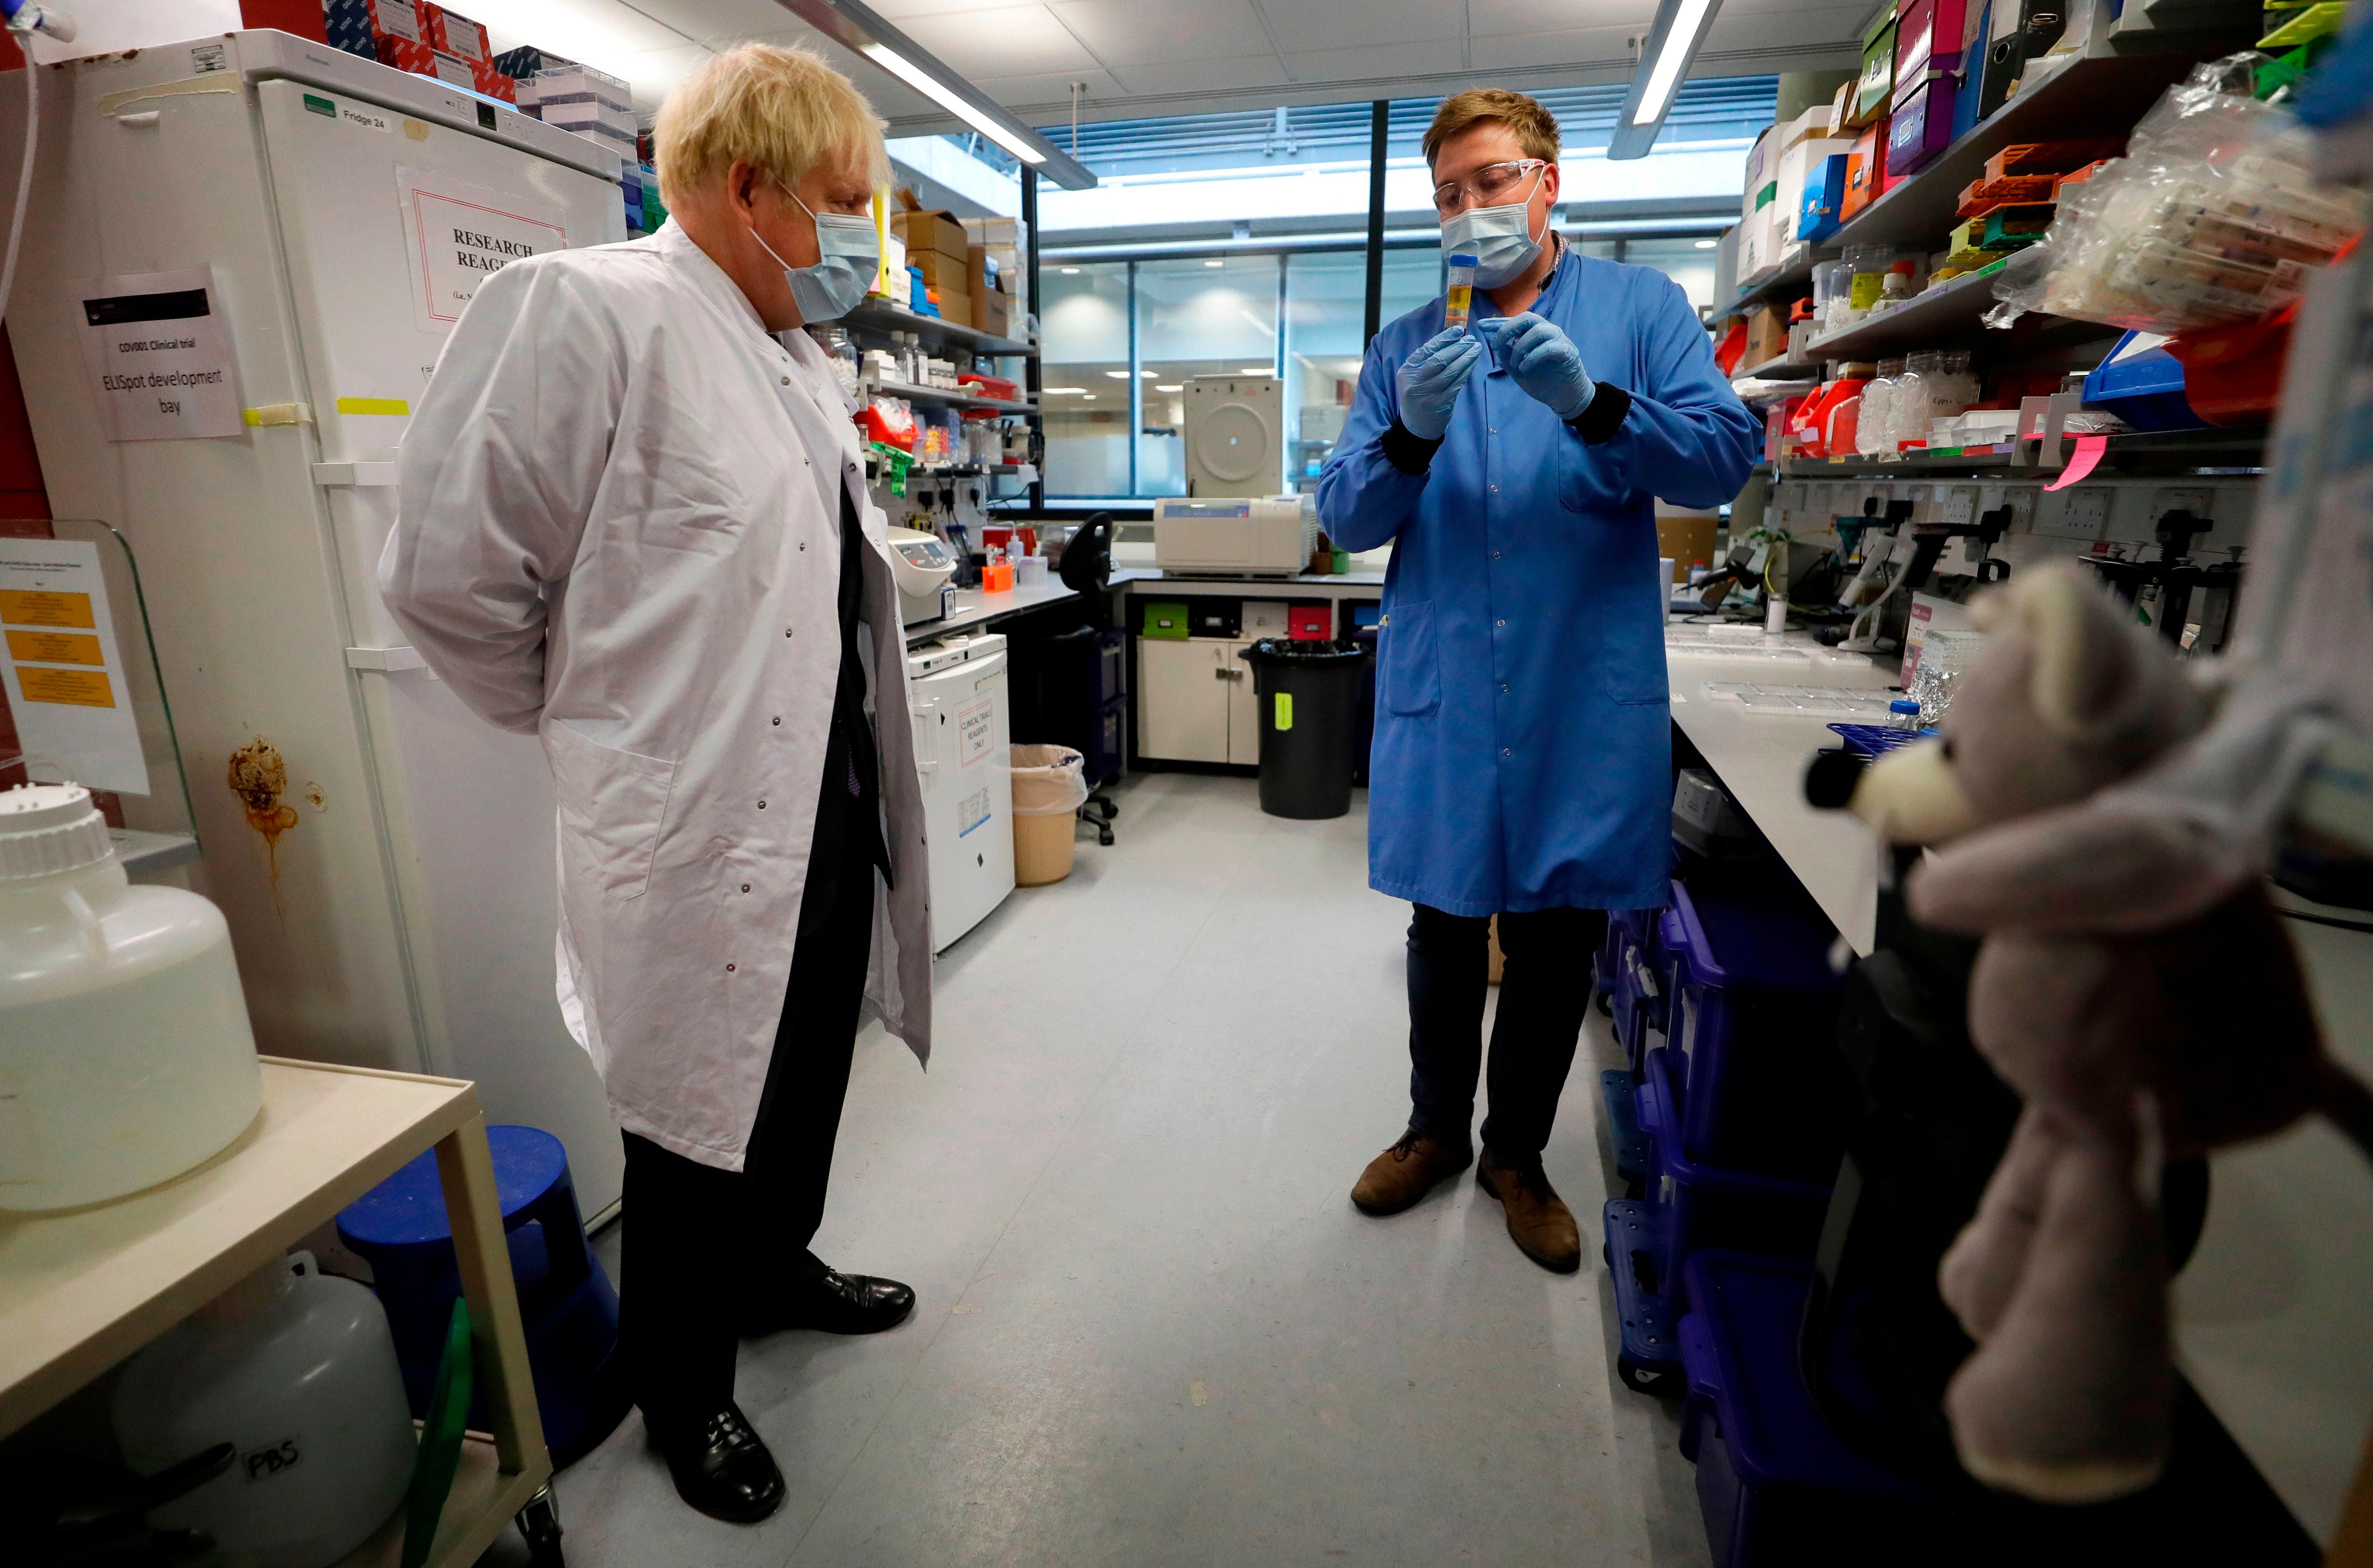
634, 522
1522, 762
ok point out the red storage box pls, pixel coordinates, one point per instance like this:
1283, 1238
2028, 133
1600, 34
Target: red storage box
1310, 622
996, 387
455, 34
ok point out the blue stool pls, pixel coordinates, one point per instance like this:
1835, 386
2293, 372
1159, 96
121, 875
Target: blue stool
567, 1302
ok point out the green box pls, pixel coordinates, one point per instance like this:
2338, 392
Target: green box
1877, 85
1165, 620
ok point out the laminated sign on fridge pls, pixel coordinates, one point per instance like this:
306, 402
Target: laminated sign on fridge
158, 355
459, 234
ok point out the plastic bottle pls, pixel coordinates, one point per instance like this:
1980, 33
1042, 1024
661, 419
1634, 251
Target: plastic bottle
1871, 425
125, 1056
1895, 288
1903, 713
1460, 296
1869, 264
1907, 413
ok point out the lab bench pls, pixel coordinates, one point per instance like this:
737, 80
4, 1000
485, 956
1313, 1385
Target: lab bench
2276, 1364
81, 1289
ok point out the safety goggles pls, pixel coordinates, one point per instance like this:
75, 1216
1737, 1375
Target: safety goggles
1495, 184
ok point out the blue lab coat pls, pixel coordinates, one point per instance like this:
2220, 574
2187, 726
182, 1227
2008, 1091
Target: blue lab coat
1523, 744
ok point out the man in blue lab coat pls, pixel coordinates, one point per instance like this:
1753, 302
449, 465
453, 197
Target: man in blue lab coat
1521, 764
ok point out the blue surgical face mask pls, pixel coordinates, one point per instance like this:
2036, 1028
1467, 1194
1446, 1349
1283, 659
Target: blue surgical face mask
848, 258
1499, 238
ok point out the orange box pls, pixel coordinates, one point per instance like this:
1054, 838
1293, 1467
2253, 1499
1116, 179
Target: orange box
2050, 158
1866, 169
1995, 190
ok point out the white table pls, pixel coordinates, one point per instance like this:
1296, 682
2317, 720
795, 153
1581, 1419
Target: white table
1760, 759
976, 610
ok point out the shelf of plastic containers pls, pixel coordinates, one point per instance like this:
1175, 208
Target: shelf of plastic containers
2088, 97
872, 316
951, 398
1795, 267
2135, 453
1949, 315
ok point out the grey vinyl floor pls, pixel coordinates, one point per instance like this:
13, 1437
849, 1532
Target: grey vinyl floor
1152, 1329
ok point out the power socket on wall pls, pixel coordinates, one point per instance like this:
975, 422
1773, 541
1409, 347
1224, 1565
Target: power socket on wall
2081, 513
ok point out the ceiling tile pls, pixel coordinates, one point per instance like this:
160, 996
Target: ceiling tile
1009, 40
1599, 46
1241, 74
1493, 17
1782, 29
1372, 61
1044, 90
1134, 32
1304, 25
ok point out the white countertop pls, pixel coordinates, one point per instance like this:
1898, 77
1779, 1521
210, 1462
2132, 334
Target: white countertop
974, 608
1760, 758
1364, 583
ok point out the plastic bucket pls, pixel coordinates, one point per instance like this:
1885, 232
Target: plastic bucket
1308, 696
1049, 787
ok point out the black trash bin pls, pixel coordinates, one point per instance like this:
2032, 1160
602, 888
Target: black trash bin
1307, 694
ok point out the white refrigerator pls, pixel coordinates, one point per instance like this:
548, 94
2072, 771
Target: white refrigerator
392, 901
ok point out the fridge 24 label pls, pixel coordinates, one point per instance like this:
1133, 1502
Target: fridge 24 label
463, 233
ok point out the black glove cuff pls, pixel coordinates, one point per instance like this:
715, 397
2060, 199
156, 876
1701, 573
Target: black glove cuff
1599, 421
1409, 452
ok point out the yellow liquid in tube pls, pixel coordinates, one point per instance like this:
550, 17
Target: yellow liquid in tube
1458, 296
1454, 313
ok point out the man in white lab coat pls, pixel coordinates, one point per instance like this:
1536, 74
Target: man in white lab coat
636, 525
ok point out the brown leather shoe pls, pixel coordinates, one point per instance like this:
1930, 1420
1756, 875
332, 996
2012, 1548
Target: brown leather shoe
1407, 1171
1539, 1220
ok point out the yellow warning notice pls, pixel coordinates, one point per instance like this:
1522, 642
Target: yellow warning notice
56, 648
75, 688
33, 607
1285, 710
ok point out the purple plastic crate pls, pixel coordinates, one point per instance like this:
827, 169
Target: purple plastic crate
1630, 966
1775, 1485
1709, 1205
1703, 1382
1875, 739
1758, 1081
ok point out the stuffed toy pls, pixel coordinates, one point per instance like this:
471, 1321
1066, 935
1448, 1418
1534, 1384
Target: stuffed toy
2134, 985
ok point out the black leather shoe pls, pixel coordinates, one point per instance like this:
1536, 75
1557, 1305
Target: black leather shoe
841, 1304
721, 1466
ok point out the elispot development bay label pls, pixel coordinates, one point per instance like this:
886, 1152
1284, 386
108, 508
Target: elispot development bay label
159, 355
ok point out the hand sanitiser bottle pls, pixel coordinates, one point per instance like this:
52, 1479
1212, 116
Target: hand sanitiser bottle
1460, 296
125, 1057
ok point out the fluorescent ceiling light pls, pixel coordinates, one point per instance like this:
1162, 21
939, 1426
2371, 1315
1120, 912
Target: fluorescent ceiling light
1057, 391
1170, 386
1147, 374
1215, 263
1680, 27
1117, 374
1707, 244
1089, 399
1258, 371
932, 87
1069, 271
854, 27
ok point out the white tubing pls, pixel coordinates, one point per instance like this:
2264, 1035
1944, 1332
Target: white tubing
25, 175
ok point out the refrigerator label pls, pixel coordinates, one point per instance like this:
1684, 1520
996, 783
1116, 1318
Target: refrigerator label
461, 234
158, 356
971, 811
976, 729
61, 667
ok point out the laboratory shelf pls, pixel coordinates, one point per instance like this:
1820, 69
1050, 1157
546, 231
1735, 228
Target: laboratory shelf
2135, 454
874, 317
945, 396
1795, 268
1781, 369
2088, 97
1952, 315
80, 1289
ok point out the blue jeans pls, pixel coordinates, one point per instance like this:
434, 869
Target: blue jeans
1544, 991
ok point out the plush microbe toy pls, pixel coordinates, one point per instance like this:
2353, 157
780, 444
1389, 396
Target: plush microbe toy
2134, 985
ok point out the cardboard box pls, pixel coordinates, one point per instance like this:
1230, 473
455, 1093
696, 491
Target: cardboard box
457, 34
993, 313
1686, 538
1814, 121
1876, 88
1822, 209
1762, 174
940, 270
931, 231
452, 70
1767, 335
956, 305
357, 26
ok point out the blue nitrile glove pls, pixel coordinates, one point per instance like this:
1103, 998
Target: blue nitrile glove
1540, 358
1430, 378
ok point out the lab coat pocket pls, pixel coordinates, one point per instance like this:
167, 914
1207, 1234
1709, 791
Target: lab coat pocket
612, 805
1411, 667
1589, 478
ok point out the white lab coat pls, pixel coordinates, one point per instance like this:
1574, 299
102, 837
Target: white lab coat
618, 527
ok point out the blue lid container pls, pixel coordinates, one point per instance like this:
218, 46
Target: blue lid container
2141, 384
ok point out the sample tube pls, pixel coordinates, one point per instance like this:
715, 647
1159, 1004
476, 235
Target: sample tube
1461, 292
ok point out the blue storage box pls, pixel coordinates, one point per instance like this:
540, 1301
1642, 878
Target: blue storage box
1702, 1384
1690, 1206
2141, 384
1825, 200
1632, 972
1758, 1081
1775, 1485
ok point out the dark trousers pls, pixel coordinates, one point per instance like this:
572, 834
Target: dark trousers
1544, 991
702, 1244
